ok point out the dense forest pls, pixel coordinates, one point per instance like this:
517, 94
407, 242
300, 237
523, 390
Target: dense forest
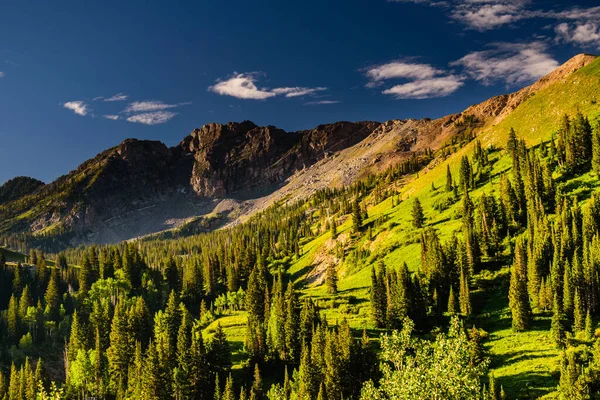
143, 319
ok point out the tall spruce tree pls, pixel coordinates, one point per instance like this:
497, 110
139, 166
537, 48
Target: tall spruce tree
518, 297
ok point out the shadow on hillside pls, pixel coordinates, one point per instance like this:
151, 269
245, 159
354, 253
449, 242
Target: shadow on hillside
299, 274
527, 385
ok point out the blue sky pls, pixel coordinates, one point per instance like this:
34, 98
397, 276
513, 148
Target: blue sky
79, 77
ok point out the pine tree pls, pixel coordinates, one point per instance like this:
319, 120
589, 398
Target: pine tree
292, 325
596, 151
494, 389
578, 312
418, 218
556, 327
452, 309
52, 298
333, 229
518, 297
120, 351
152, 384
13, 319
378, 299
449, 180
589, 326
256, 392
464, 294
228, 392
331, 279
357, 219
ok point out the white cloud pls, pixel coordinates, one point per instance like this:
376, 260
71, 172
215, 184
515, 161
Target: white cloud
513, 63
425, 81
397, 69
297, 91
117, 97
152, 118
586, 34
1, 74
484, 15
113, 117
313, 103
243, 86
426, 88
145, 106
78, 107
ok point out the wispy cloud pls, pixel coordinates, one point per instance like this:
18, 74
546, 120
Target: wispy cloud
144, 106
297, 91
399, 69
483, 15
117, 97
314, 103
243, 86
425, 81
1, 74
584, 34
512, 63
426, 88
152, 118
112, 117
576, 25
78, 107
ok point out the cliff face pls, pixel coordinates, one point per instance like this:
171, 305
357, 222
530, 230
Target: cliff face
242, 158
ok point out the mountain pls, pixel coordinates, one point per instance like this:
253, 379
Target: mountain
222, 173
18, 187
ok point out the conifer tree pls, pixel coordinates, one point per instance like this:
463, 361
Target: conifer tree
357, 218
120, 351
292, 325
13, 319
228, 392
465, 294
256, 392
578, 312
589, 326
449, 180
331, 279
52, 298
452, 308
152, 383
596, 151
518, 298
418, 217
556, 327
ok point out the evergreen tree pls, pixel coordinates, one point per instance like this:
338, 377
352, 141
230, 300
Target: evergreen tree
331, 279
418, 217
449, 180
120, 351
52, 298
357, 219
556, 327
518, 298
452, 309
292, 325
256, 392
578, 312
596, 151
228, 392
152, 383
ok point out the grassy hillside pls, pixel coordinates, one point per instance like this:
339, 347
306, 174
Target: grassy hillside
524, 363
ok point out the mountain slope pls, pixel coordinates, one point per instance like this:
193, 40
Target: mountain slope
229, 172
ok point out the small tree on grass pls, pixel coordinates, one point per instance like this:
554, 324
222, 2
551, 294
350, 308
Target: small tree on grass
418, 217
331, 279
